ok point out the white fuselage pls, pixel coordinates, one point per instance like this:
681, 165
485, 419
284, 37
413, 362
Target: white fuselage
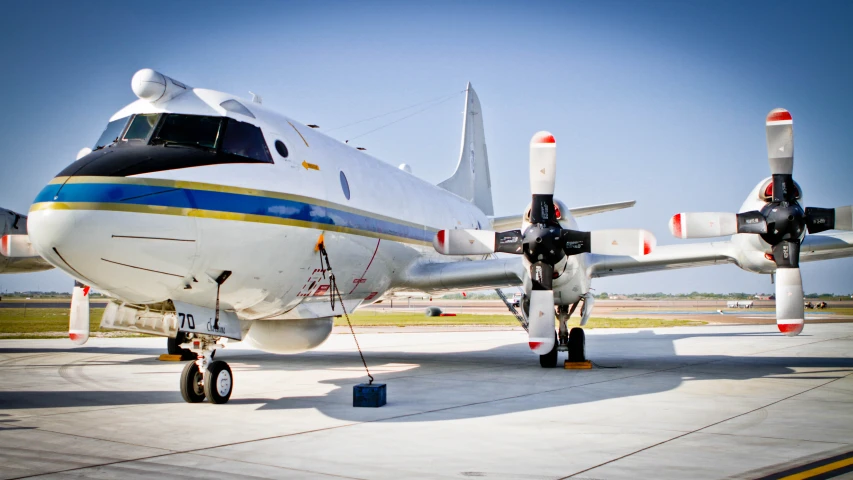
168, 234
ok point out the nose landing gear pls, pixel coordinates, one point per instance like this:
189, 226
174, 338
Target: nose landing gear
206, 377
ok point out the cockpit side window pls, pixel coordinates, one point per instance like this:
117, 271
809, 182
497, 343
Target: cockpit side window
141, 126
111, 133
245, 140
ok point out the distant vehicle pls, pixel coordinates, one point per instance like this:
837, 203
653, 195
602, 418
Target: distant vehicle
740, 304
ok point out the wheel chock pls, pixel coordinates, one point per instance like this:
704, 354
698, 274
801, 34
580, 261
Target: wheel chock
368, 395
170, 358
585, 365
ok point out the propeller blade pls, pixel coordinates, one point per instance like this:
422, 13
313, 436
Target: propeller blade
78, 324
540, 321
780, 142
751, 222
786, 254
790, 311
543, 174
510, 241
609, 242
822, 219
703, 225
464, 242
542, 275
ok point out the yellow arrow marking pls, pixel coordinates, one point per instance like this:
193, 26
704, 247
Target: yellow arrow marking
309, 166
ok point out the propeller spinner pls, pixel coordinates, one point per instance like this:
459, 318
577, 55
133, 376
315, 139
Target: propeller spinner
544, 243
781, 223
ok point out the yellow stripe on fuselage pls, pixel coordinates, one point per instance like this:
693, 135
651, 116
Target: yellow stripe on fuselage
216, 215
211, 187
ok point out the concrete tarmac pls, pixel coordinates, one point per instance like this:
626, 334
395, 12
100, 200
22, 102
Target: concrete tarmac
691, 402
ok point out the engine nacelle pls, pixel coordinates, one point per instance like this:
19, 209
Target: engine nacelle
560, 209
289, 336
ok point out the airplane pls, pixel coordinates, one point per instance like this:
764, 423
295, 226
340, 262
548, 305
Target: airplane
769, 232
206, 218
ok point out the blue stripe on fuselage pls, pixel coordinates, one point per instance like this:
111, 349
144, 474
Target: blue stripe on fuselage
135, 194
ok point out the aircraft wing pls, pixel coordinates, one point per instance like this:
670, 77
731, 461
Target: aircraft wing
513, 222
826, 246
13, 258
664, 257
454, 276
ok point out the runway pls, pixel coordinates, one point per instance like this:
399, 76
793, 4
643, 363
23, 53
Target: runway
686, 402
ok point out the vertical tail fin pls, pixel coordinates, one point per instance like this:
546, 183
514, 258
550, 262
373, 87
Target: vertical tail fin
471, 179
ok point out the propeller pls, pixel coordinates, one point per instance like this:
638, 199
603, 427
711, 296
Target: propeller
544, 243
78, 324
782, 222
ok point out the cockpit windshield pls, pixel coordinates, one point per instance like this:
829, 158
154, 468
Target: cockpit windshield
221, 135
145, 143
189, 130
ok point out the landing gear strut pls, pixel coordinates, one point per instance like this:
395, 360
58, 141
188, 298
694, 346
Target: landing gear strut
173, 346
205, 377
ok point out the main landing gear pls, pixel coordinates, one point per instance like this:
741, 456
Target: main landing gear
573, 341
205, 377
575, 345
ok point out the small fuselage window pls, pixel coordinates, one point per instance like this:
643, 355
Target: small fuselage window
345, 185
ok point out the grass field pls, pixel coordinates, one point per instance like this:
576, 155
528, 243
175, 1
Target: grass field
53, 322
370, 319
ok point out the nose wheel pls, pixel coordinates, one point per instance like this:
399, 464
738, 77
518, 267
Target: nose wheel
205, 377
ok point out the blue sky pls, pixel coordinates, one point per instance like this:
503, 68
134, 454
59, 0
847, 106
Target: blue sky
661, 102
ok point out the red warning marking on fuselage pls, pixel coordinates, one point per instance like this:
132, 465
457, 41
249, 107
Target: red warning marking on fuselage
371, 296
321, 290
358, 280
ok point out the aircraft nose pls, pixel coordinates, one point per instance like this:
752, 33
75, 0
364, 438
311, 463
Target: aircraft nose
137, 252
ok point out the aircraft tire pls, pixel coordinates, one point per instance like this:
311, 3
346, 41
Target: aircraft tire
219, 382
577, 345
191, 388
549, 360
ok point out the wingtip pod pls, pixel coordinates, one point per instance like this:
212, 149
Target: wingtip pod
779, 116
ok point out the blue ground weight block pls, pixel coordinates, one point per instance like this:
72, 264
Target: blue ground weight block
364, 395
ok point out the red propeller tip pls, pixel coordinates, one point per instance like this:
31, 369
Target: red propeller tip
779, 115
675, 225
544, 137
440, 237
791, 329
74, 336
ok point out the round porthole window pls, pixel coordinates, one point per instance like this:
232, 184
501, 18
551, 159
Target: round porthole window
345, 185
281, 148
